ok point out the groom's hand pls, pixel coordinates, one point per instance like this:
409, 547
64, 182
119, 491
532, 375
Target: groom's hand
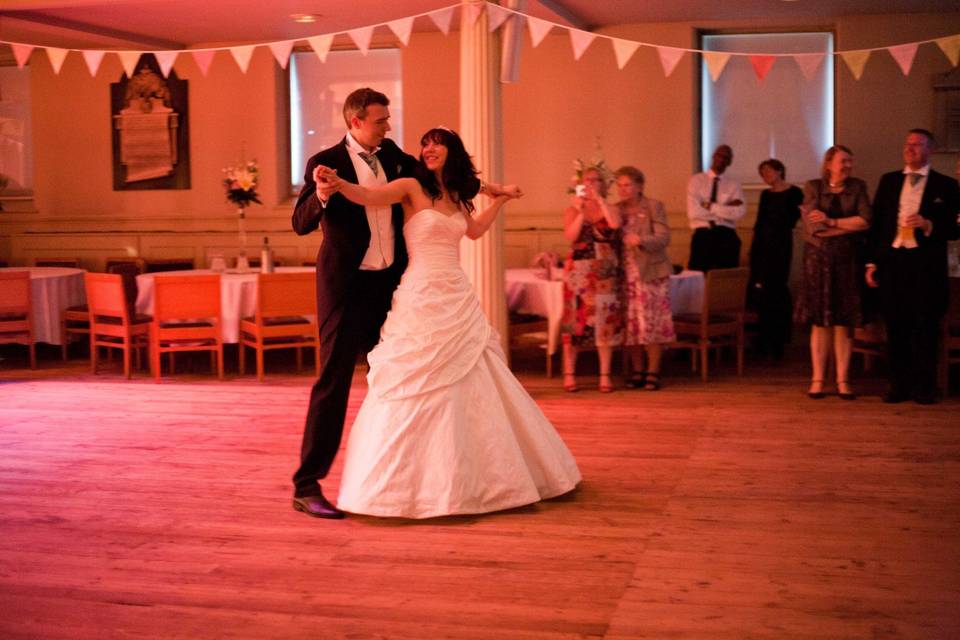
327, 183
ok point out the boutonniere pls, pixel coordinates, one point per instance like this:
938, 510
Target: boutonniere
938, 201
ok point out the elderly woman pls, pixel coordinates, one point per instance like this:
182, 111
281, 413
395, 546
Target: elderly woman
646, 270
836, 211
592, 316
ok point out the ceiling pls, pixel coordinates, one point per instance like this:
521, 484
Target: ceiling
183, 24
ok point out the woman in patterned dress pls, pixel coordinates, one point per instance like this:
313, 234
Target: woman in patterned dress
592, 315
646, 270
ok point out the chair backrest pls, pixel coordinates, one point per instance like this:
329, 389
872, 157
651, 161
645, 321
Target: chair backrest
56, 262
181, 297
725, 291
286, 294
154, 265
137, 263
129, 272
15, 292
105, 295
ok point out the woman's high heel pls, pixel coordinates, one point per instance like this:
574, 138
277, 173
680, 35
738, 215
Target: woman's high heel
570, 382
845, 395
605, 386
816, 390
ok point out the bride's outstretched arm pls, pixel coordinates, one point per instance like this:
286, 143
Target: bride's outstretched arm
390, 193
478, 225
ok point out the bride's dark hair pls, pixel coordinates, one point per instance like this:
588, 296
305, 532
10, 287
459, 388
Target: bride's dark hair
459, 175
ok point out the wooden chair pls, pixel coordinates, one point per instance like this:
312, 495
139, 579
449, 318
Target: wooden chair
140, 263
74, 320
525, 326
720, 321
156, 265
112, 323
285, 318
950, 339
73, 263
870, 341
16, 311
128, 271
186, 317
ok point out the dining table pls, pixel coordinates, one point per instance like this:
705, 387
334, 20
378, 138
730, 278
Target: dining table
531, 291
52, 289
238, 294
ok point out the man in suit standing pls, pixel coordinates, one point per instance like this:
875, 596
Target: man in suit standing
714, 204
359, 264
914, 217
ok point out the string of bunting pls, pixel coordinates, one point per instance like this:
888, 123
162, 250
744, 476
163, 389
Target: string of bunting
497, 16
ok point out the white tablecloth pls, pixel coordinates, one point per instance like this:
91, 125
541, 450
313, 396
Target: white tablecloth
52, 289
528, 291
238, 294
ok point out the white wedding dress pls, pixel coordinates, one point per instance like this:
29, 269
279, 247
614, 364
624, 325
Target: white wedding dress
445, 427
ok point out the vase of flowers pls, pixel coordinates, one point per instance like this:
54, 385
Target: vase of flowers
240, 184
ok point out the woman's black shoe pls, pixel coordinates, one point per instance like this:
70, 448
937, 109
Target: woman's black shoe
637, 380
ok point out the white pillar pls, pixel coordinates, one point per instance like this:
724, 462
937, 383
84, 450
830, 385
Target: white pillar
482, 133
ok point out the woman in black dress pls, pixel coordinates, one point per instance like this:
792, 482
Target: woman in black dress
770, 256
836, 211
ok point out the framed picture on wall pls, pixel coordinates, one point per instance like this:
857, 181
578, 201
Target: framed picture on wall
148, 118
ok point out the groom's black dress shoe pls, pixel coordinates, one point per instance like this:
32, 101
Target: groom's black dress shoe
894, 396
317, 506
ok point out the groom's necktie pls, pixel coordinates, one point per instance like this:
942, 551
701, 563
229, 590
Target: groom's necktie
371, 161
914, 178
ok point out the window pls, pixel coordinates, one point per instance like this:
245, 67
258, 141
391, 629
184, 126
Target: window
318, 90
16, 146
786, 116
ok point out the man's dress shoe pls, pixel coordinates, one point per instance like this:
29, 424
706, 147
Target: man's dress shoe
317, 506
893, 396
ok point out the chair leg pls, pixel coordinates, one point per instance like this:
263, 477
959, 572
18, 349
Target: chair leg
127, 346
704, 359
740, 341
219, 354
63, 339
241, 352
299, 358
93, 352
33, 353
259, 363
316, 359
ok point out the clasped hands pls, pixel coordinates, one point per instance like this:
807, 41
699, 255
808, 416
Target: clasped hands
706, 204
328, 182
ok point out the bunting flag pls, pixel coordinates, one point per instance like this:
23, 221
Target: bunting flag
716, 61
951, 48
624, 50
442, 19
242, 56
321, 46
22, 53
93, 57
538, 30
496, 16
856, 60
761, 65
361, 37
166, 59
580, 40
129, 61
281, 52
472, 11
402, 28
669, 58
904, 55
809, 63
203, 58
57, 56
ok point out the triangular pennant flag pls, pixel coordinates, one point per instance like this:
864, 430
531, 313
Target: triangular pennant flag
669, 58
22, 53
361, 38
624, 49
809, 63
496, 16
321, 45
761, 65
402, 28
57, 57
904, 55
166, 59
242, 56
856, 60
281, 52
203, 58
442, 19
580, 40
538, 29
93, 57
472, 11
129, 61
951, 48
716, 61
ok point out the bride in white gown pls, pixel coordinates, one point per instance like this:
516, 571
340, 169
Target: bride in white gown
445, 427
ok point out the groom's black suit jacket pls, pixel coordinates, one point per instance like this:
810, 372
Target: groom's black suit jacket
346, 233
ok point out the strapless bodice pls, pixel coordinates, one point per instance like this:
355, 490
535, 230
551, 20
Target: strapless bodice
433, 239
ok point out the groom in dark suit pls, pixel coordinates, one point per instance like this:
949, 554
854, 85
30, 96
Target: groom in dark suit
914, 215
359, 264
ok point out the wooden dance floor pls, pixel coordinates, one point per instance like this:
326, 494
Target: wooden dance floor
729, 510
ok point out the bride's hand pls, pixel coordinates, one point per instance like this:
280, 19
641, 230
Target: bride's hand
511, 191
328, 182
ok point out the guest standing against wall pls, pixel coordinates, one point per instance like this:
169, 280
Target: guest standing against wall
714, 204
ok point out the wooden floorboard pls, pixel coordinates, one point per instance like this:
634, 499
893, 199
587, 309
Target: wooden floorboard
733, 509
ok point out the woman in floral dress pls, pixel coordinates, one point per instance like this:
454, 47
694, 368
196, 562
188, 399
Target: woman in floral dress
592, 315
647, 269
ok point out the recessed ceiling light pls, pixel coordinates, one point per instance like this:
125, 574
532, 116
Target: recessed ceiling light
305, 18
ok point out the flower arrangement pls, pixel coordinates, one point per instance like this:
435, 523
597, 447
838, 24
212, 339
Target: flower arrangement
241, 185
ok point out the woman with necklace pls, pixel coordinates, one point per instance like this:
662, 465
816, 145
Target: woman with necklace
836, 211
